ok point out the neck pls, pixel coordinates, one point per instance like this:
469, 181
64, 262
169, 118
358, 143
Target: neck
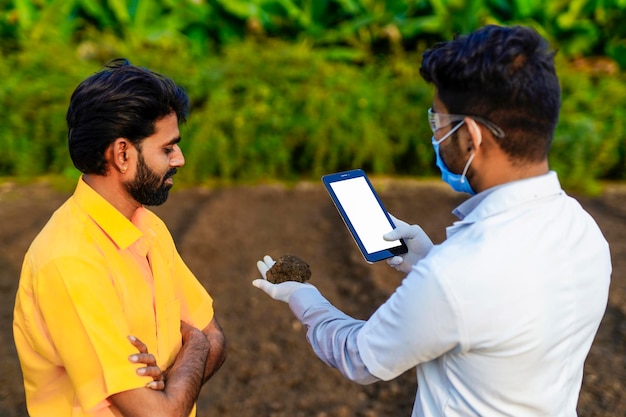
111, 188
499, 175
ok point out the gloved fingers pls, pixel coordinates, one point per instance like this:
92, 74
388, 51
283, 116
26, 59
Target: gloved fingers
269, 261
396, 221
267, 287
395, 261
403, 231
282, 291
262, 284
264, 265
395, 234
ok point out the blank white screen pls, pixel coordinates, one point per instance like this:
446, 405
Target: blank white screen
364, 212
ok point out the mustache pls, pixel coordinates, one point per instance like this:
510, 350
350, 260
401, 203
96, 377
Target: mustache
167, 175
170, 173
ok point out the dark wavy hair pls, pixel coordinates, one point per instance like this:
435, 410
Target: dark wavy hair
121, 100
505, 75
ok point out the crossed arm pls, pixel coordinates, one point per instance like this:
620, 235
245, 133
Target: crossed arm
174, 392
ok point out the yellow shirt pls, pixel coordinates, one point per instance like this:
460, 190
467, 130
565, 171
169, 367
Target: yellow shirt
91, 278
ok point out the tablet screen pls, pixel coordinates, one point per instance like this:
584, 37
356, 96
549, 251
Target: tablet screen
364, 212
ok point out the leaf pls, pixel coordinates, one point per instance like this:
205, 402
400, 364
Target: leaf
53, 20
427, 24
25, 14
527, 8
120, 10
95, 10
240, 8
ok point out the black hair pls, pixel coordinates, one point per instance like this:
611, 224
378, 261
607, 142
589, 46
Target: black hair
505, 75
121, 100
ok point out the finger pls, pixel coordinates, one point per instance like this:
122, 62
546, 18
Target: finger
156, 385
145, 358
395, 234
269, 261
395, 261
396, 221
404, 231
262, 284
263, 268
265, 286
141, 347
152, 371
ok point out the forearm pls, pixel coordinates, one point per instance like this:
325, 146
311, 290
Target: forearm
182, 388
332, 334
185, 376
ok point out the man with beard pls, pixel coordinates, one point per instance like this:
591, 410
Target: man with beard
108, 319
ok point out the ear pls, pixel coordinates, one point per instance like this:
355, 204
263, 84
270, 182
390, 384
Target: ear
476, 135
119, 160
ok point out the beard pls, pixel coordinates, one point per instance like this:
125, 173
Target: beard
148, 188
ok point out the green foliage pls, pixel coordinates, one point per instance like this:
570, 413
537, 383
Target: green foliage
352, 29
341, 90
590, 139
32, 123
283, 111
276, 110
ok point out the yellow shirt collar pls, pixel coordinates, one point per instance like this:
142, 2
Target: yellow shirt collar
121, 230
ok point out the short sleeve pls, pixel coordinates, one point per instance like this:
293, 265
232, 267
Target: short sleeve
86, 325
196, 303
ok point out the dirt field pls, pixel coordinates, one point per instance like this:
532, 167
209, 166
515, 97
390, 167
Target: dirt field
271, 370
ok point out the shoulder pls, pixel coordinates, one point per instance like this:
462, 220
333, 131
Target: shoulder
63, 234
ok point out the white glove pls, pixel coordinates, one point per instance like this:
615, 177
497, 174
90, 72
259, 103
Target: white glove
280, 292
417, 241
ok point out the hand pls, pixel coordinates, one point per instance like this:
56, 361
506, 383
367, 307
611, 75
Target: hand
417, 241
151, 369
280, 292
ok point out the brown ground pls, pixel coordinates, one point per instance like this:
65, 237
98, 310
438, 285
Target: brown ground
271, 370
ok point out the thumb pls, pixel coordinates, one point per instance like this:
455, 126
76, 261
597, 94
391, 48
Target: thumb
262, 284
395, 234
399, 230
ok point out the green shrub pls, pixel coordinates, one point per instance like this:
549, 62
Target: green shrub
589, 141
275, 110
282, 110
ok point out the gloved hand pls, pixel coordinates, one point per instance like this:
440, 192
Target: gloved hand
417, 241
280, 292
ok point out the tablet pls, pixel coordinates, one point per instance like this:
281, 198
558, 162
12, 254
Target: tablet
363, 213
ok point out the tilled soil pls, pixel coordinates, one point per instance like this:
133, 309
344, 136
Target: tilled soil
271, 370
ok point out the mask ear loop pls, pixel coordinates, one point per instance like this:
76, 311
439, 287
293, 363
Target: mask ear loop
479, 140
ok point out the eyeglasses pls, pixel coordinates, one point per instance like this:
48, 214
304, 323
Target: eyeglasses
439, 120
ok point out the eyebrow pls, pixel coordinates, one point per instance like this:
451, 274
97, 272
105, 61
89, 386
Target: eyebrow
174, 141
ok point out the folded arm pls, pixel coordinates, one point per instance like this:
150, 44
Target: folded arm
183, 382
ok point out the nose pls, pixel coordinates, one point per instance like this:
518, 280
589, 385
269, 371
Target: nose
178, 159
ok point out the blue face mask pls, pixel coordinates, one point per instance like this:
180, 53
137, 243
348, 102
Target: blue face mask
458, 182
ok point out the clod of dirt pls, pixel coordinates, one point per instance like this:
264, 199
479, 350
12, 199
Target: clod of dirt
289, 268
